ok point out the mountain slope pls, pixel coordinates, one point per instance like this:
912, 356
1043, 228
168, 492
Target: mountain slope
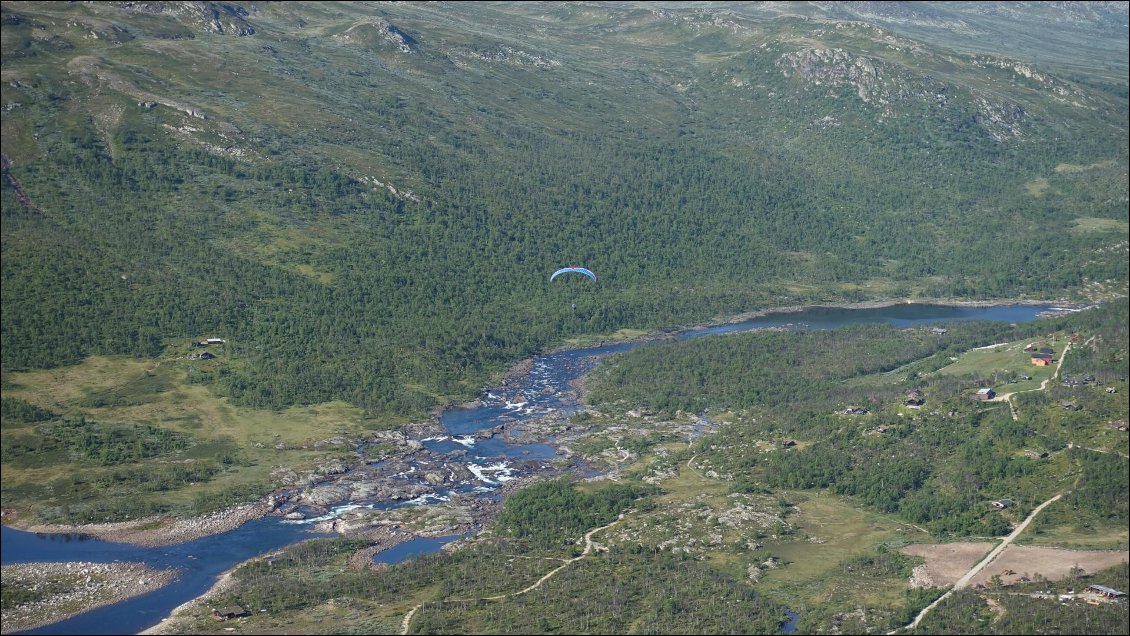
367, 199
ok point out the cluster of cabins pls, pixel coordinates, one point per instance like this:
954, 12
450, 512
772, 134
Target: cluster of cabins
204, 355
1041, 357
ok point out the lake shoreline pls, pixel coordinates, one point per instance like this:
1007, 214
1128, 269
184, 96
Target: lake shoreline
771, 311
170, 530
153, 532
871, 304
92, 585
178, 618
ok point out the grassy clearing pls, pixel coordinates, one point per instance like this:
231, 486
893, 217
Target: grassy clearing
1037, 187
822, 577
874, 288
808, 535
125, 390
617, 336
175, 403
1005, 364
1071, 168
1087, 224
689, 484
836, 530
60, 388
1079, 538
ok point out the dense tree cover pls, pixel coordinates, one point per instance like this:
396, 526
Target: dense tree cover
1102, 488
944, 486
621, 592
624, 590
555, 513
801, 368
1105, 357
938, 466
283, 583
328, 287
17, 410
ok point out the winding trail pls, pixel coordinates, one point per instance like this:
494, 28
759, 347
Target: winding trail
963, 582
1007, 397
567, 562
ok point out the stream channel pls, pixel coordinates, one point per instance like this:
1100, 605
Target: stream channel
472, 461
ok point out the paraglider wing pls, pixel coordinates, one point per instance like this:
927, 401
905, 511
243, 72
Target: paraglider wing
578, 270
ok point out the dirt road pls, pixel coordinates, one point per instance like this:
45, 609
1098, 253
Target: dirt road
963, 582
1007, 397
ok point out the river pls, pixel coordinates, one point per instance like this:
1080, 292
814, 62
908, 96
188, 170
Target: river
546, 390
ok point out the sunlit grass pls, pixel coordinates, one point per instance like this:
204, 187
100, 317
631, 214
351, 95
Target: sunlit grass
1004, 361
262, 441
836, 530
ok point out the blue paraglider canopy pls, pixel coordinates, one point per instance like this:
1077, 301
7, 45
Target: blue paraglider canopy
578, 270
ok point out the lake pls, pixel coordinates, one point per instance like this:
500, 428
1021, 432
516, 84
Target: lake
546, 389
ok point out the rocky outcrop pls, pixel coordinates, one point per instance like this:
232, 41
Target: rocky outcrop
326, 495
1000, 119
208, 17
509, 55
836, 67
886, 86
399, 193
378, 32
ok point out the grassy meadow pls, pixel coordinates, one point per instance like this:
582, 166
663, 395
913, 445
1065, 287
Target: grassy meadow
250, 450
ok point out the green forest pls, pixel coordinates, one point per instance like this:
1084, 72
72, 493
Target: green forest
666, 559
330, 288
938, 465
251, 251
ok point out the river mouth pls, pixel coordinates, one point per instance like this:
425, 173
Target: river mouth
445, 479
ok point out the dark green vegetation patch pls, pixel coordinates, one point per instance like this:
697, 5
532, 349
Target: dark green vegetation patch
366, 200
86, 442
832, 406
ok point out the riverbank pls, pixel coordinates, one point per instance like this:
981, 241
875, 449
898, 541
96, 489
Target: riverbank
182, 615
876, 304
581, 383
46, 593
160, 531
771, 311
